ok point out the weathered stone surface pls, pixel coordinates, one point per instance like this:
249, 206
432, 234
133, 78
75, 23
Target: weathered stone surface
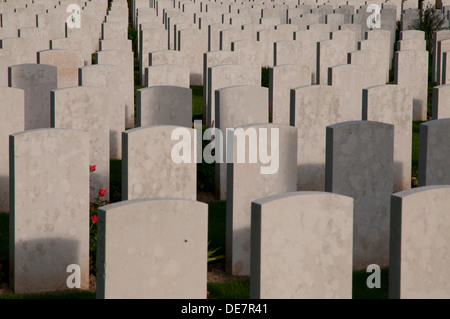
210, 59
123, 60
419, 243
226, 75
194, 43
67, 63
434, 164
411, 70
359, 164
333, 52
371, 73
282, 79
105, 76
12, 108
164, 249
441, 102
37, 80
236, 106
150, 40
437, 36
392, 104
313, 108
6, 59
164, 105
115, 44
49, 209
249, 181
82, 108
167, 74
442, 46
348, 79
148, 168
301, 246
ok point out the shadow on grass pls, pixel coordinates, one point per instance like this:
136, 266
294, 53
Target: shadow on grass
230, 290
216, 226
361, 291
197, 102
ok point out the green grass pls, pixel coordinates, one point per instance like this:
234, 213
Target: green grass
216, 226
229, 290
415, 153
197, 102
4, 247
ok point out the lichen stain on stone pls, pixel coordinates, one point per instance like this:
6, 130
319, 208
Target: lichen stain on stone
48, 228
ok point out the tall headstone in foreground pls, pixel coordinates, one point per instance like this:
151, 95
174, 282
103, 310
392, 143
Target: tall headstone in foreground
419, 237
163, 248
301, 246
12, 121
49, 224
359, 164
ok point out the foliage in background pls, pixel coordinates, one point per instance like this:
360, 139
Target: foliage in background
132, 35
430, 20
212, 252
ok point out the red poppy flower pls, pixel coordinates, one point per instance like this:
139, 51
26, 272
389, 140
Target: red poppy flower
91, 168
102, 192
94, 219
